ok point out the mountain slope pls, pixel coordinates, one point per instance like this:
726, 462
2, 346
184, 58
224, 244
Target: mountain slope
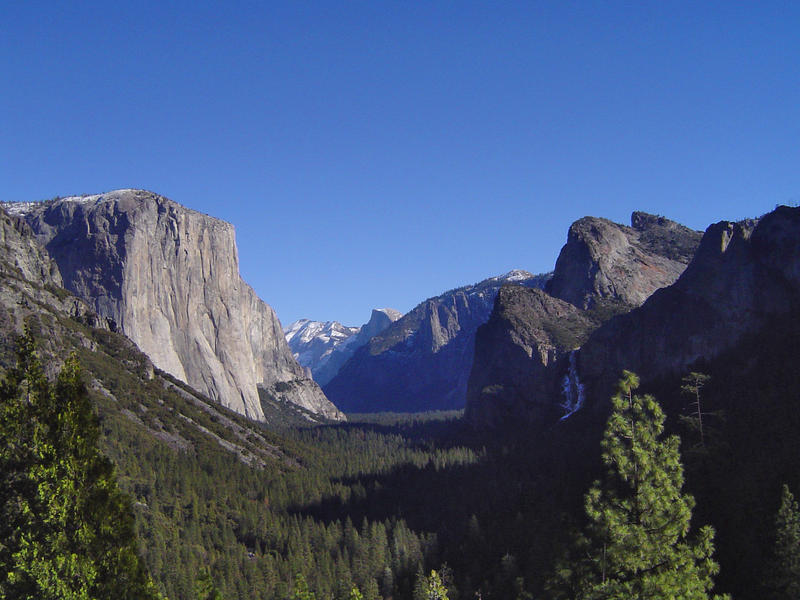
422, 361
744, 275
168, 277
325, 347
525, 364
198, 473
313, 342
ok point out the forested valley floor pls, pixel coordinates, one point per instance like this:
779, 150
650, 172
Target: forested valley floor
225, 508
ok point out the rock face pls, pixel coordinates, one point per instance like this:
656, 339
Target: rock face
743, 278
743, 275
422, 361
603, 261
515, 376
23, 255
168, 277
526, 361
31, 292
325, 347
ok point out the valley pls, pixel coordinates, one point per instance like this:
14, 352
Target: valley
458, 438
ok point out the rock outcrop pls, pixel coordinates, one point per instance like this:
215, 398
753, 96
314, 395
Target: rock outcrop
523, 350
526, 361
324, 347
168, 277
742, 275
313, 342
22, 255
743, 278
422, 361
30, 285
604, 261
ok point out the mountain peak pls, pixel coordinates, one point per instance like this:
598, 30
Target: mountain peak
604, 261
325, 347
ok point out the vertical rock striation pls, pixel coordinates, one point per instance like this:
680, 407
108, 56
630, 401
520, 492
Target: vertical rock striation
423, 360
168, 277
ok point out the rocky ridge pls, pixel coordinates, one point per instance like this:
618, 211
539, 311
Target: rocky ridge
325, 347
526, 361
528, 333
422, 361
313, 342
168, 277
743, 275
604, 261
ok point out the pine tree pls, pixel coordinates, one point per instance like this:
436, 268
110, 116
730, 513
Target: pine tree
693, 383
204, 586
430, 588
67, 527
785, 576
301, 590
637, 545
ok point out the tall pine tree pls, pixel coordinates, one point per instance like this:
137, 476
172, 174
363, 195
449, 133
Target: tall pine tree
784, 576
636, 544
67, 529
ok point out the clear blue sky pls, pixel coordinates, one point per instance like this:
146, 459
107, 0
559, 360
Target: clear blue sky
377, 153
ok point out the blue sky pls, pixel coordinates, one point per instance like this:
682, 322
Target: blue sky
378, 153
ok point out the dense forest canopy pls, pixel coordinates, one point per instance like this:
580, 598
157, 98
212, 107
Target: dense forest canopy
375, 506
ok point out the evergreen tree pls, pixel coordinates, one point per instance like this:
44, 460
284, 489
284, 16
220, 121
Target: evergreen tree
637, 544
693, 383
430, 588
785, 576
204, 586
355, 593
68, 530
301, 590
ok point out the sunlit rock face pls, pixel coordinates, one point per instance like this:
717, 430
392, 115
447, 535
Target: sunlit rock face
323, 347
743, 275
168, 277
606, 261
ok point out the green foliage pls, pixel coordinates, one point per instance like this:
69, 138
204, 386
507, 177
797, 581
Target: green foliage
301, 591
355, 594
67, 528
692, 384
636, 545
784, 578
205, 588
430, 588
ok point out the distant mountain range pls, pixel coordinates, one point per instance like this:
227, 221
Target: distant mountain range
323, 347
422, 361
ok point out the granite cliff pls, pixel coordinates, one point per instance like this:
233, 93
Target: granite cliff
168, 277
422, 361
526, 364
605, 262
528, 335
744, 275
30, 286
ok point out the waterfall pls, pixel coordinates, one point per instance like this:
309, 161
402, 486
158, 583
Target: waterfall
572, 388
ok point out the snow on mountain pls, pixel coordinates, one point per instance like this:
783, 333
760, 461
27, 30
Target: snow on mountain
312, 342
323, 347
